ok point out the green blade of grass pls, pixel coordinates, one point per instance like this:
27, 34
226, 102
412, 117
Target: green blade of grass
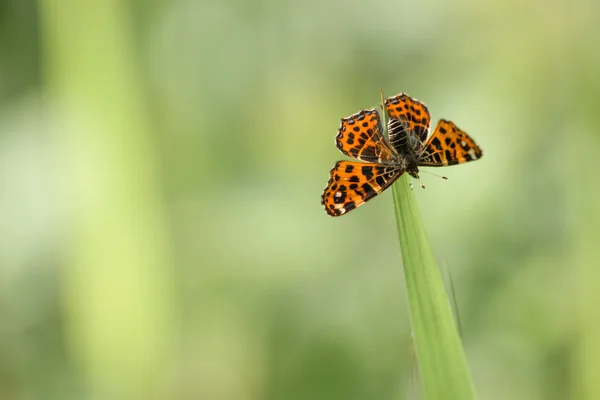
442, 362
116, 281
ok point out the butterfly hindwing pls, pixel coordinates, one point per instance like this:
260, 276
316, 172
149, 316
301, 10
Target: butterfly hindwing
408, 123
351, 184
361, 136
448, 145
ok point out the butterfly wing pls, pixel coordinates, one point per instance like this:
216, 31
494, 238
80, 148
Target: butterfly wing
360, 136
351, 184
448, 145
408, 123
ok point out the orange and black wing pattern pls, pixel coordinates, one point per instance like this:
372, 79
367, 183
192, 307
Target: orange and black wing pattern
361, 136
408, 123
448, 145
351, 184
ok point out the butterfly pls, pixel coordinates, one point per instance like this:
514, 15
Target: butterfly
383, 160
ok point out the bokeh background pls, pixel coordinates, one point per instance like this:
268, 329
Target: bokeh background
161, 165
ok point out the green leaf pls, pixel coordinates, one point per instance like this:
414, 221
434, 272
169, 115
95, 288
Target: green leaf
442, 362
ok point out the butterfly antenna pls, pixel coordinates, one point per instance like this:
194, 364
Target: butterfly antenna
420, 183
431, 173
382, 105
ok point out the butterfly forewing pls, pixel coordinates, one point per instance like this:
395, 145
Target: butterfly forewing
408, 123
448, 145
361, 136
351, 184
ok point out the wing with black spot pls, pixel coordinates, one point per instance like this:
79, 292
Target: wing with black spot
361, 136
351, 184
408, 123
448, 145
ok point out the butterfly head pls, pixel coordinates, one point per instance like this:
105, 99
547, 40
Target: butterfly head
411, 166
414, 173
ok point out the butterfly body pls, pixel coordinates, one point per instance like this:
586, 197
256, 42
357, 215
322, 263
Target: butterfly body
410, 164
384, 159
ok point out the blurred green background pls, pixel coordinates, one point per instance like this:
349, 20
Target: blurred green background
161, 165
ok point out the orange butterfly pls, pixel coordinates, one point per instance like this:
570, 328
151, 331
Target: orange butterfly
351, 183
